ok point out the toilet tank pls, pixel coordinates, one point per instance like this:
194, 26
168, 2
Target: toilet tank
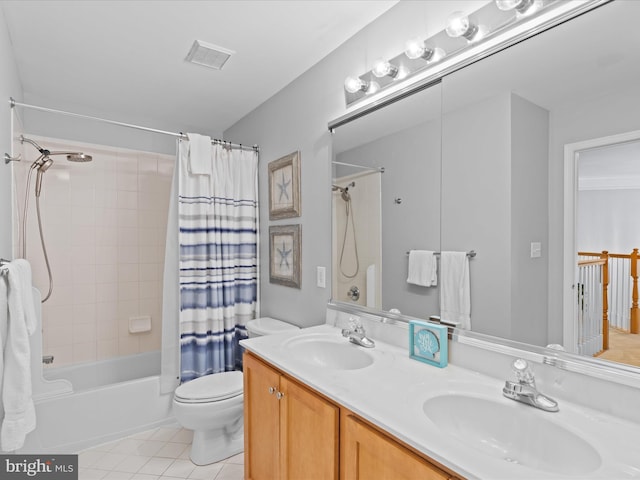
267, 326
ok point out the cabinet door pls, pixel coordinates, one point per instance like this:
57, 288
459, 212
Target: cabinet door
261, 420
366, 454
309, 427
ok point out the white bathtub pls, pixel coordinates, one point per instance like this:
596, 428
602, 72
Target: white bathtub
107, 372
107, 402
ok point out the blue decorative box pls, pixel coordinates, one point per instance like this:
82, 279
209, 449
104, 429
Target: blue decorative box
428, 342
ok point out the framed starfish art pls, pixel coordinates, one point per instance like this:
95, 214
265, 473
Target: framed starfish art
284, 187
284, 255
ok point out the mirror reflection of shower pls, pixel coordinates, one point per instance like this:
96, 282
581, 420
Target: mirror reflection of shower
349, 222
357, 235
40, 166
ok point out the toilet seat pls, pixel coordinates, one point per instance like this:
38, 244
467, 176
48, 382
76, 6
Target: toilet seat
210, 388
268, 326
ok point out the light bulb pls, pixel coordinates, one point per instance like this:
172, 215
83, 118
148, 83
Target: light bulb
458, 25
414, 49
417, 49
382, 68
519, 5
355, 84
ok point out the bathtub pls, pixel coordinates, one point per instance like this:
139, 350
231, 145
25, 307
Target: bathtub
104, 401
106, 372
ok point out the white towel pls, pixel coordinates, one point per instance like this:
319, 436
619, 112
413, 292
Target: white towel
26, 294
199, 154
371, 286
4, 324
455, 289
423, 268
19, 412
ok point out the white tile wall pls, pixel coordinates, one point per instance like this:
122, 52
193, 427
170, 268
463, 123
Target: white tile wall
104, 225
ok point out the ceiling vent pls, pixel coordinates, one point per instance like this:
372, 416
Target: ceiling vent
208, 55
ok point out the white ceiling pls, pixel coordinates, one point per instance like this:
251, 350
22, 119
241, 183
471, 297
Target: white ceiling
128, 57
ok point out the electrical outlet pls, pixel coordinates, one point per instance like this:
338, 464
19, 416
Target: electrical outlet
536, 249
321, 279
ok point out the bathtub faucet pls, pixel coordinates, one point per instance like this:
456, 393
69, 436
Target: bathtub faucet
47, 359
356, 334
525, 391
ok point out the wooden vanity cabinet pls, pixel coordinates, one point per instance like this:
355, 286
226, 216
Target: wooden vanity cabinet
291, 433
294, 433
368, 454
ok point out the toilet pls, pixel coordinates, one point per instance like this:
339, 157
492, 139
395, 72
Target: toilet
268, 326
212, 406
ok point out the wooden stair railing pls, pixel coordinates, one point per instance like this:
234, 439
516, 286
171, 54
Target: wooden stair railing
586, 329
605, 300
634, 314
634, 296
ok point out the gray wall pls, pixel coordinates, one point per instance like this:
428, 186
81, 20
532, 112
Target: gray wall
476, 204
529, 220
9, 87
611, 114
411, 160
296, 119
494, 183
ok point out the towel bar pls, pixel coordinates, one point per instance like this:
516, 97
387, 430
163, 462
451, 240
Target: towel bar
470, 254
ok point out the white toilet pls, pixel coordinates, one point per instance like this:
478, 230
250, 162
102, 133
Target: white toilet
268, 326
212, 406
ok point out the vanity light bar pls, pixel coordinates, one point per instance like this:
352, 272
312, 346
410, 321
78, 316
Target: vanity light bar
462, 32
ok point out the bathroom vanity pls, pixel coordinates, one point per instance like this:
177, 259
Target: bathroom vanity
318, 406
293, 432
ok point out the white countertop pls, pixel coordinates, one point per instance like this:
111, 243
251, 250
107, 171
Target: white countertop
390, 393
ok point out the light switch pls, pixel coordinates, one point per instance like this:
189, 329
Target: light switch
321, 280
536, 249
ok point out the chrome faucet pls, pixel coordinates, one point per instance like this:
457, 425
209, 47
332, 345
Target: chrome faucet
525, 391
356, 334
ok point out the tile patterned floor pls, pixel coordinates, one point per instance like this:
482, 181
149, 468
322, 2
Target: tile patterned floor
158, 454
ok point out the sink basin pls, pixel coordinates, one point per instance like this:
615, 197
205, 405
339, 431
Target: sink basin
512, 433
328, 352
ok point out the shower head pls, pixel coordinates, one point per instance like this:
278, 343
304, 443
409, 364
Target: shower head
79, 157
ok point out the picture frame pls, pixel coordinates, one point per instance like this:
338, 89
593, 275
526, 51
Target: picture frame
284, 255
429, 343
284, 187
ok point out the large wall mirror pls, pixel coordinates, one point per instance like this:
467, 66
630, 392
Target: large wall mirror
386, 202
504, 124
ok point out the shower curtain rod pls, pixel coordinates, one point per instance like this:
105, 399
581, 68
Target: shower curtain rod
180, 135
375, 169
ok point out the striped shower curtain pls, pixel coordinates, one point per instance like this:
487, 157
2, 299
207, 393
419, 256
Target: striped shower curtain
218, 235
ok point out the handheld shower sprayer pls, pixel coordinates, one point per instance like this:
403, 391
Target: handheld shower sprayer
41, 165
346, 196
344, 191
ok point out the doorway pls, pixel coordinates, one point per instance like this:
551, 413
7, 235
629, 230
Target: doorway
602, 194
